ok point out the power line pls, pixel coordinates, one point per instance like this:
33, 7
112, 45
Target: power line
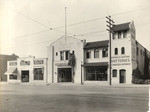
23, 36
101, 18
91, 33
31, 19
80, 22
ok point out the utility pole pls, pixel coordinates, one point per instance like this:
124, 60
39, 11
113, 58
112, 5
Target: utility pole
110, 25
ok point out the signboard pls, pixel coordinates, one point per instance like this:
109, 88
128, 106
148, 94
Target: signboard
12, 63
22, 62
38, 62
120, 60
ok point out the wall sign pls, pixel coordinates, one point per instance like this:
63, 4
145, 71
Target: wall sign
22, 62
121, 60
38, 62
12, 63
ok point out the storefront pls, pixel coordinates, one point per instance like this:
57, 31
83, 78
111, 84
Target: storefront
27, 70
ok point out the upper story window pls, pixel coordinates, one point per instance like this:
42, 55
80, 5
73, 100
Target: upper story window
137, 51
122, 50
56, 53
64, 55
141, 52
61, 55
124, 34
116, 51
119, 35
88, 54
114, 34
67, 55
96, 53
114, 73
105, 52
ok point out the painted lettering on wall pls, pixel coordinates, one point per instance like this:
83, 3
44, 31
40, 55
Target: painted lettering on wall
12, 63
23, 62
37, 62
121, 60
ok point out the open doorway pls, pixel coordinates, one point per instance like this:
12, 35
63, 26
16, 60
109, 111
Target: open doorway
64, 75
25, 76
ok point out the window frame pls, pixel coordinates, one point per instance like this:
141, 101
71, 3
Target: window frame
37, 77
116, 51
96, 51
114, 73
104, 52
122, 50
88, 54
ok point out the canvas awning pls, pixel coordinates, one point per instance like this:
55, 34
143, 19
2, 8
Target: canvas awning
101, 64
12, 71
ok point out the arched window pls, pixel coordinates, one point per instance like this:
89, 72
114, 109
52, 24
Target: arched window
114, 73
116, 51
122, 50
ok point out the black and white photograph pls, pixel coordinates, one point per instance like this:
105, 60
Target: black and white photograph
74, 55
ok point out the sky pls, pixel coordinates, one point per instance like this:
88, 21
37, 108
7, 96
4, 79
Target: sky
27, 27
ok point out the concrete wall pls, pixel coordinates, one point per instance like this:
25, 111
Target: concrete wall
122, 61
65, 43
29, 68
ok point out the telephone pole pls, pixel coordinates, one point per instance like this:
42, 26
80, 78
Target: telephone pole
109, 25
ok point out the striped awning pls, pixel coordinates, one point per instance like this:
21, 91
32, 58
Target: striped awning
12, 70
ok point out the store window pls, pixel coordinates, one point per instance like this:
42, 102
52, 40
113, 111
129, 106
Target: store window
96, 74
105, 52
88, 54
114, 73
38, 73
96, 53
122, 50
116, 51
13, 77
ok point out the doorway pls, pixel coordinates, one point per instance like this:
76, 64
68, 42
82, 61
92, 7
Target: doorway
25, 76
64, 75
122, 76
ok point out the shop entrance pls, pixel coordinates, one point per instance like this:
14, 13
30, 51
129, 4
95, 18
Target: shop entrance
25, 76
64, 75
122, 76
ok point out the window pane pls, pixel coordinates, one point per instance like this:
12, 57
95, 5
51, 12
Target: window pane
122, 50
38, 74
114, 73
119, 35
96, 53
88, 54
67, 55
116, 51
96, 74
105, 52
61, 55
124, 34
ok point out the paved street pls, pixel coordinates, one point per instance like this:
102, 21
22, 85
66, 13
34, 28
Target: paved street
72, 98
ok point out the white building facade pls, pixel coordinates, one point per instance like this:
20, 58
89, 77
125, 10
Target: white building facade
27, 69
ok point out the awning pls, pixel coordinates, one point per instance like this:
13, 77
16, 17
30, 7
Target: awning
101, 64
12, 71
